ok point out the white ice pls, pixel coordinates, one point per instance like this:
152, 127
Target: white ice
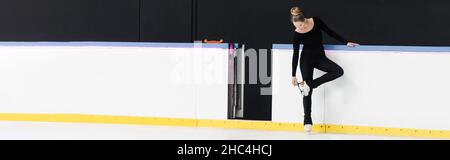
11, 130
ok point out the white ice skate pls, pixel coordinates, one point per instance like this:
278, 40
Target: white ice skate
304, 88
308, 128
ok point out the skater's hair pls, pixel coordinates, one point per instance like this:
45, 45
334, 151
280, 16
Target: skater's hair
297, 14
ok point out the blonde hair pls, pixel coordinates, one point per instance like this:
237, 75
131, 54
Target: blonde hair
297, 14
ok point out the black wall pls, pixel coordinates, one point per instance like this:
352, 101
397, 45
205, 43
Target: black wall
254, 22
166, 20
380, 22
69, 20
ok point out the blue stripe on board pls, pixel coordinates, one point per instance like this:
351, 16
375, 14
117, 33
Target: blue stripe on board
116, 44
376, 48
225, 46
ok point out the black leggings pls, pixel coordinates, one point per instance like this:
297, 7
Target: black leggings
309, 60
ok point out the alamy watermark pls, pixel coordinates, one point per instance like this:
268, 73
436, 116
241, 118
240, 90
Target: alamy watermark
212, 66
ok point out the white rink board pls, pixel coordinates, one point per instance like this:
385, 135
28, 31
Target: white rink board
114, 80
379, 88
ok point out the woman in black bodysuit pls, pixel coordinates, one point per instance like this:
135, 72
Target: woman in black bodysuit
309, 32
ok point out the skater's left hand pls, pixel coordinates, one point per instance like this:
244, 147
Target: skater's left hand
351, 44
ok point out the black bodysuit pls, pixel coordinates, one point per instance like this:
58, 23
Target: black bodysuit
313, 56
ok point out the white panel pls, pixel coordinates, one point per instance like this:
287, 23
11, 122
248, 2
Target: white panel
378, 88
138, 81
390, 89
212, 92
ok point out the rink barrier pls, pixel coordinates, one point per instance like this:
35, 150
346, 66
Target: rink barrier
230, 124
112, 44
401, 117
227, 124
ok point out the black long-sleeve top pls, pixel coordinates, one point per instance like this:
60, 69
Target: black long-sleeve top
312, 39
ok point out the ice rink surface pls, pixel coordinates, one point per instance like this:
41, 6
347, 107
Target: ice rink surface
10, 130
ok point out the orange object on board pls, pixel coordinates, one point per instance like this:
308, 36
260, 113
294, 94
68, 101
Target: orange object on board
213, 41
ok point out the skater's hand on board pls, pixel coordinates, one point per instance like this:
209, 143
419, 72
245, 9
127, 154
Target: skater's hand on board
351, 44
294, 81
